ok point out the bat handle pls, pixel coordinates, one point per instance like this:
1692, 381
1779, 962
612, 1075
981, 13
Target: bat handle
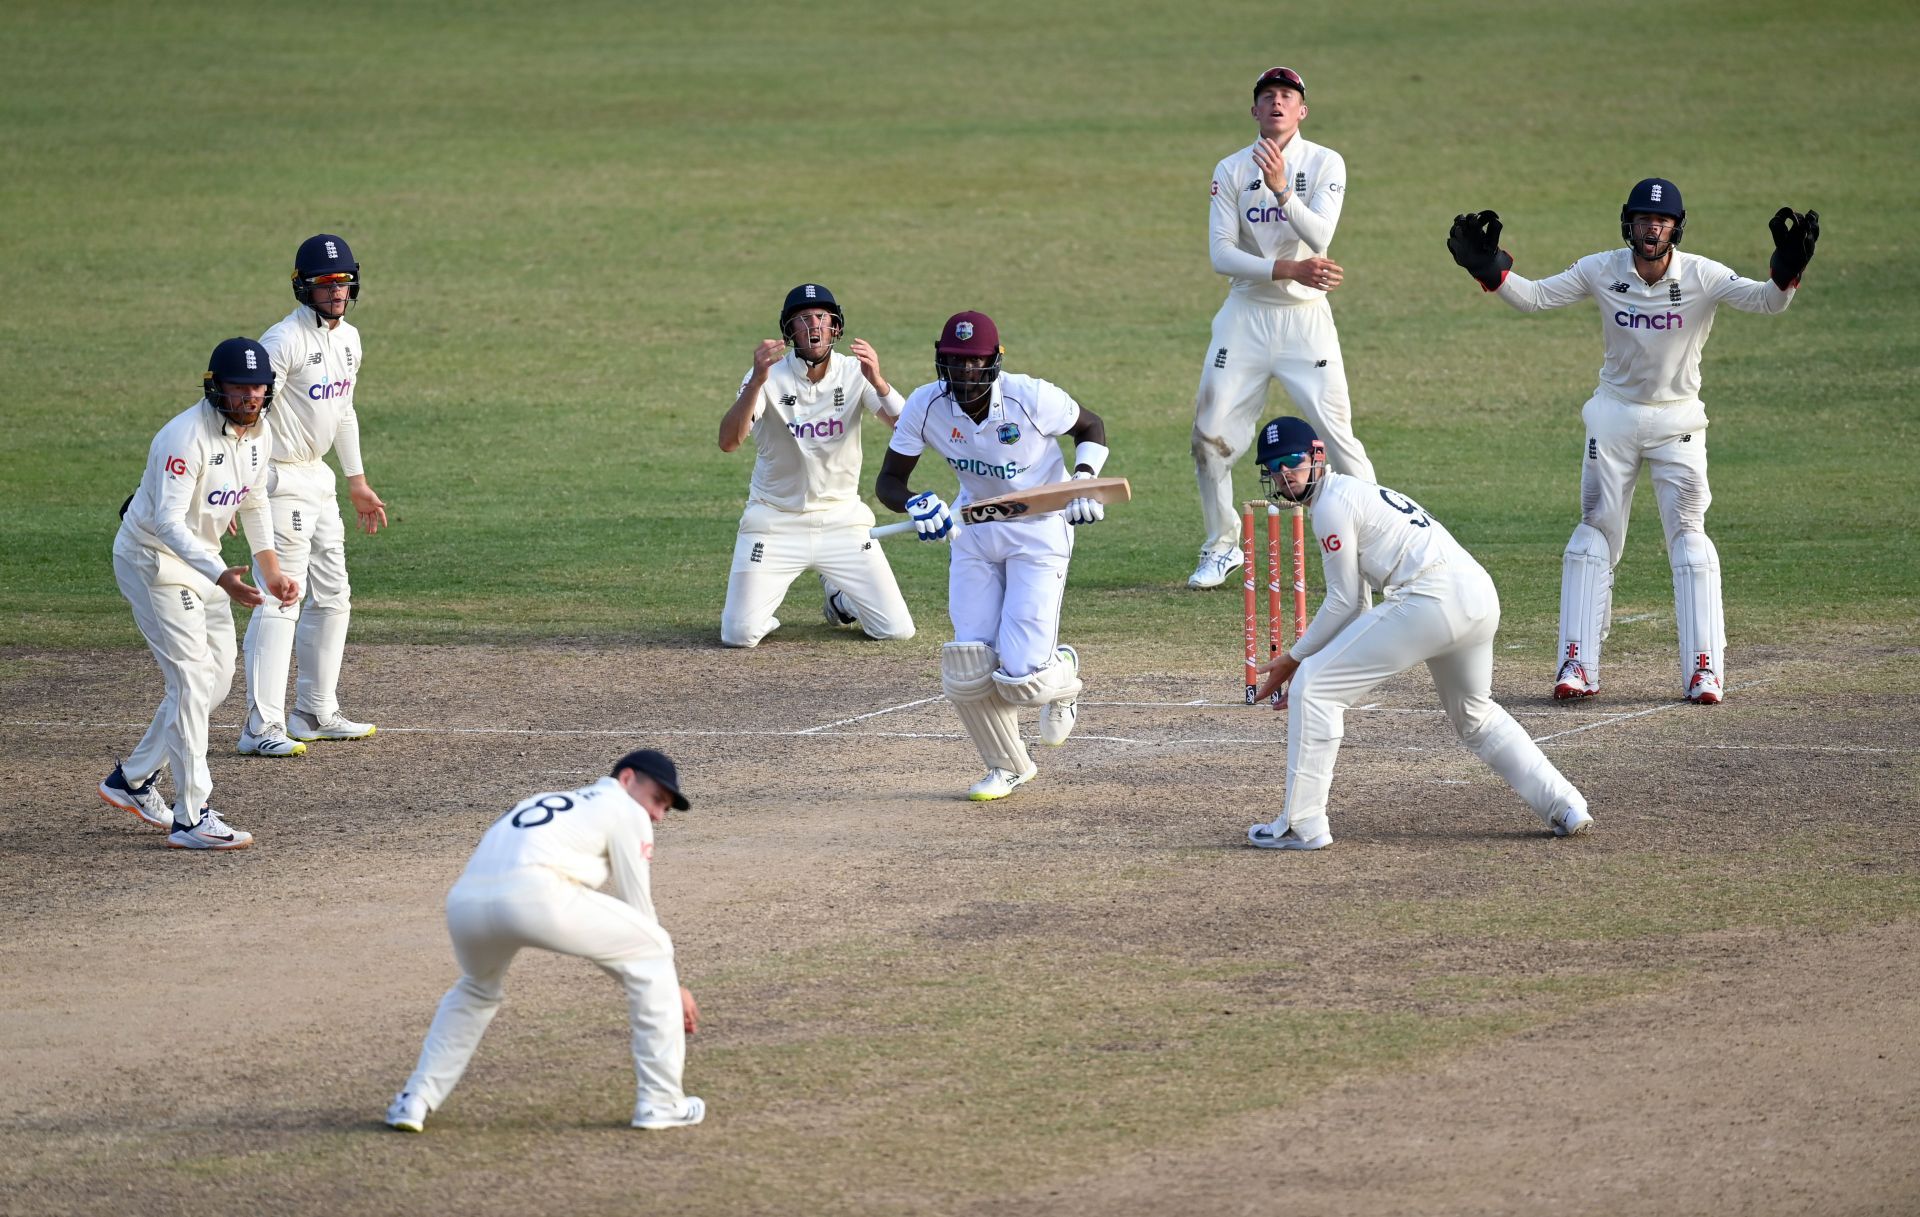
891, 530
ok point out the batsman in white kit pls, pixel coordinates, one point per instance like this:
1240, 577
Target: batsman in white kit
531, 883
1656, 309
1275, 205
205, 467
1438, 607
804, 510
1005, 580
316, 356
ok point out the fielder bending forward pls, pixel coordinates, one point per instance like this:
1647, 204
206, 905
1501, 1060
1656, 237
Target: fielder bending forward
1275, 205
1005, 580
206, 466
804, 510
1439, 607
1656, 309
316, 358
530, 883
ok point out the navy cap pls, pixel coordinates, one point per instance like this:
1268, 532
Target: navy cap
657, 766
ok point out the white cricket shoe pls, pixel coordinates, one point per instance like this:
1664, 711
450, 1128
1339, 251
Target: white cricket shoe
210, 833
1571, 822
301, 725
143, 801
1262, 836
1572, 682
1704, 688
999, 783
692, 1110
1057, 717
271, 742
407, 1112
834, 607
1215, 566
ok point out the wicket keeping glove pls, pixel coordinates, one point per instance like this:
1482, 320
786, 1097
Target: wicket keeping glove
1474, 242
931, 519
1792, 245
1085, 511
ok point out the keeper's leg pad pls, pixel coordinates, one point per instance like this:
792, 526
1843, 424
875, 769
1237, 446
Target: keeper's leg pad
1696, 605
1586, 598
966, 676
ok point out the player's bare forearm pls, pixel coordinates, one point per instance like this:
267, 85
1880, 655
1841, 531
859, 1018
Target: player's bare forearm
1089, 428
890, 487
737, 422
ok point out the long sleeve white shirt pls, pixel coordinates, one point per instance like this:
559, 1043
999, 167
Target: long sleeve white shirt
1248, 230
315, 368
1652, 332
592, 835
199, 475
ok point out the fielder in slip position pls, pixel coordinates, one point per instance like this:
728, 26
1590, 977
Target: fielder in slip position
206, 466
530, 883
1656, 309
1439, 608
1275, 205
804, 510
316, 360
1005, 579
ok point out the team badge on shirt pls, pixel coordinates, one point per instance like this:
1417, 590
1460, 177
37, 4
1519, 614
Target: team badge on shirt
1009, 433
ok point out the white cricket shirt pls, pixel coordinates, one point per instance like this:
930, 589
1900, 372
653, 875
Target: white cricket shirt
1247, 229
315, 368
1014, 449
1369, 535
806, 434
589, 835
1653, 332
198, 477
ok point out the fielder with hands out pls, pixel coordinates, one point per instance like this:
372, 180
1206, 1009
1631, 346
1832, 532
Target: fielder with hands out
804, 510
1005, 580
1657, 305
1438, 607
532, 882
206, 467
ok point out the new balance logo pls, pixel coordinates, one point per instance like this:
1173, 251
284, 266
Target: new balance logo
1220, 358
1321, 364
1618, 287
788, 399
315, 357
219, 458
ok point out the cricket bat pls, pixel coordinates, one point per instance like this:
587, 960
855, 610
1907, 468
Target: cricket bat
1020, 504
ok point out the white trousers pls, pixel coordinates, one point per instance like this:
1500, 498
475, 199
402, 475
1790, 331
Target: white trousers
1296, 345
1446, 618
190, 633
311, 540
776, 547
1671, 441
1005, 583
492, 919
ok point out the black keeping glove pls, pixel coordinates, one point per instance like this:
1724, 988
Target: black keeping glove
1794, 236
1474, 242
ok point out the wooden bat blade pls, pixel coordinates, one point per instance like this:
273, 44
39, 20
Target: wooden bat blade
1051, 497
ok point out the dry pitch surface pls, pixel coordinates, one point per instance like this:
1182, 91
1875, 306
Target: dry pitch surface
1087, 999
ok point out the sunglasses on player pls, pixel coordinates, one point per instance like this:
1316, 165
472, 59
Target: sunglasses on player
1292, 460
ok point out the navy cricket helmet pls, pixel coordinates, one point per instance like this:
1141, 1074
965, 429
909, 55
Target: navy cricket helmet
811, 295
237, 361
1654, 196
1284, 444
322, 258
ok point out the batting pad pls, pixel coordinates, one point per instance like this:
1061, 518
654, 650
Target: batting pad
1696, 604
1055, 682
966, 675
1586, 597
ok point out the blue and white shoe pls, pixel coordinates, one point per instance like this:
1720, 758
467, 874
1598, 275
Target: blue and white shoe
1571, 822
143, 801
210, 833
407, 1112
653, 1119
1262, 836
1215, 566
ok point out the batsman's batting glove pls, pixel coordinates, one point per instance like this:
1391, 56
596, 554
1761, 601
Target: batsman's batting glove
1474, 242
931, 519
1085, 511
1794, 235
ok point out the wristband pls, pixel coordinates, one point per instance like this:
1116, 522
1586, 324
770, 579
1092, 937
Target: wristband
1090, 454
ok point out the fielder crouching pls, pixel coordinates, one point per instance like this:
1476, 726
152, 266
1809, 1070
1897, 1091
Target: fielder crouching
1439, 607
1005, 580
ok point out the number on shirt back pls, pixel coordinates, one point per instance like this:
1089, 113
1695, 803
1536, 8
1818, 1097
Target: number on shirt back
1416, 514
540, 809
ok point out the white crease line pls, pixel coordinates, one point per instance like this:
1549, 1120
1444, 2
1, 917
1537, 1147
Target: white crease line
1621, 718
1634, 618
873, 714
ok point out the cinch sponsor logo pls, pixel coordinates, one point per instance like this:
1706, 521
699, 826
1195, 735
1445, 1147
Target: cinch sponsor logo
226, 498
1265, 215
330, 390
969, 465
1634, 319
822, 430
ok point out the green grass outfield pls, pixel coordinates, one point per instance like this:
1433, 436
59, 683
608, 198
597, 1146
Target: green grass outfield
577, 219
